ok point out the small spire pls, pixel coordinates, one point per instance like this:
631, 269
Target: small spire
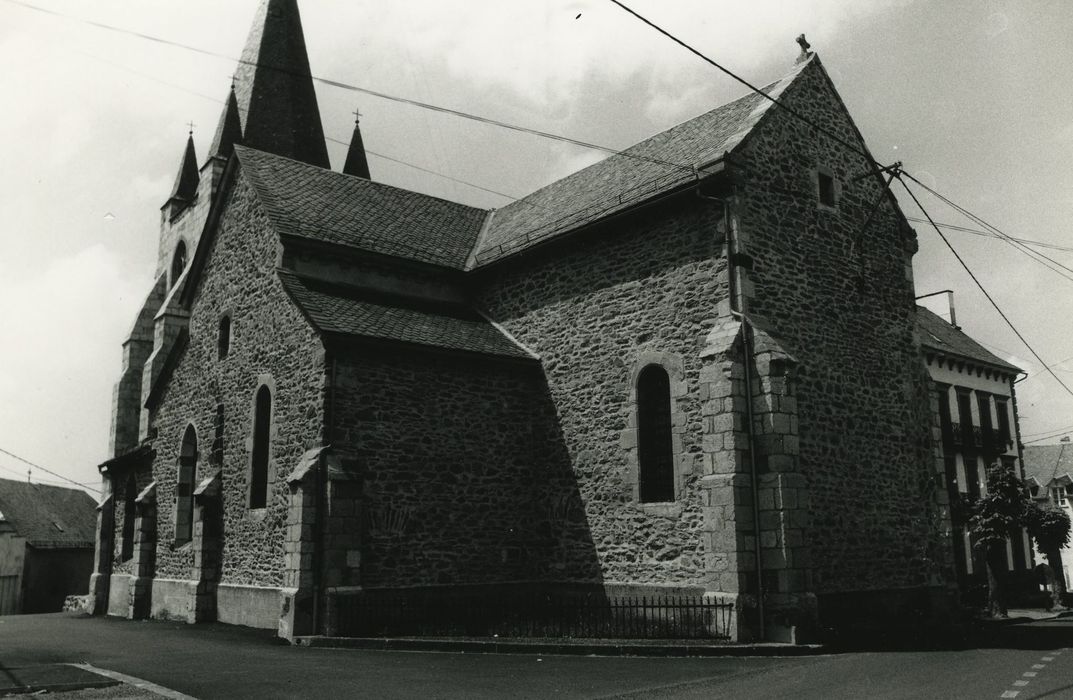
228, 131
805, 46
356, 161
187, 180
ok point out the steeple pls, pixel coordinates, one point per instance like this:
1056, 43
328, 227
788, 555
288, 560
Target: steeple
228, 131
356, 162
187, 180
274, 92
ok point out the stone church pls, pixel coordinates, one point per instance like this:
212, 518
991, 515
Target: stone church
688, 369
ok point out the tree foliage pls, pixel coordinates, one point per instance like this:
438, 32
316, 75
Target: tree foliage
1049, 526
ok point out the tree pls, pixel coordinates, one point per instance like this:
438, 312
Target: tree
1049, 526
996, 517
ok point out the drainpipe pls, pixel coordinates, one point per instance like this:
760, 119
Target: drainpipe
318, 516
737, 310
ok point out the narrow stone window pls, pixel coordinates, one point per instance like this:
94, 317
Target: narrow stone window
126, 551
184, 487
178, 263
218, 436
654, 446
223, 342
262, 423
827, 189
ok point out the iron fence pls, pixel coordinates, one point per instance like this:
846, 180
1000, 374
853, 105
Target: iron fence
371, 614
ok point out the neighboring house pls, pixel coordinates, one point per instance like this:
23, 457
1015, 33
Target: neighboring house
689, 369
977, 413
46, 546
1049, 473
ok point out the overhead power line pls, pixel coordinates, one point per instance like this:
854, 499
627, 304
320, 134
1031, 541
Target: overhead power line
789, 110
366, 91
981, 286
1049, 437
48, 471
1056, 431
1035, 255
989, 234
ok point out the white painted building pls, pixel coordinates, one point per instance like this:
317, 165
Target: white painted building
978, 416
1049, 473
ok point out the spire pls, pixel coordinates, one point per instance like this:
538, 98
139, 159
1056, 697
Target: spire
275, 95
228, 131
356, 162
187, 180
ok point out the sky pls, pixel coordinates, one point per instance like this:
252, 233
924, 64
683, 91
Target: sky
972, 96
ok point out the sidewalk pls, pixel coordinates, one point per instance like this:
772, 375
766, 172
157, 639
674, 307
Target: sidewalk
581, 647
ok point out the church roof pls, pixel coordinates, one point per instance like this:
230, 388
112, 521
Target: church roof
274, 87
653, 166
49, 516
336, 309
187, 179
1045, 463
323, 205
938, 335
228, 130
357, 163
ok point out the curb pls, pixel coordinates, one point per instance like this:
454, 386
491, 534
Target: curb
579, 648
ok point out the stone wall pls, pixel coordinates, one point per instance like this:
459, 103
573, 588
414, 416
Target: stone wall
841, 297
462, 475
596, 309
271, 344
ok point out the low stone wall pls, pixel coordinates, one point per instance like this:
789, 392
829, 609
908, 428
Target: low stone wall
250, 606
173, 599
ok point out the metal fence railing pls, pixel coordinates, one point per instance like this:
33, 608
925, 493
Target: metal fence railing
371, 614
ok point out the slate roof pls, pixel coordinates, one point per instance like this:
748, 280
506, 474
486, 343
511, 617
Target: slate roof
348, 311
49, 516
323, 205
936, 334
274, 90
1047, 462
628, 178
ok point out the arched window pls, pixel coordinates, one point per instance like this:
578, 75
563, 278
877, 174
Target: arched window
178, 263
654, 450
184, 487
262, 423
223, 340
130, 494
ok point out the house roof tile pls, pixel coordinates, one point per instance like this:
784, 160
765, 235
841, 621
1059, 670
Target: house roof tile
936, 334
49, 516
1047, 462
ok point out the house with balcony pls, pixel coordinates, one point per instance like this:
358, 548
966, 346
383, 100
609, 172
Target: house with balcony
1049, 475
977, 416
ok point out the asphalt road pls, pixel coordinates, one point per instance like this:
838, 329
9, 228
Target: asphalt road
214, 661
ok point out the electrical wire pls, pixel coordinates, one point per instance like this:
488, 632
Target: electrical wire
1049, 437
1034, 254
981, 286
366, 91
48, 471
746, 83
988, 234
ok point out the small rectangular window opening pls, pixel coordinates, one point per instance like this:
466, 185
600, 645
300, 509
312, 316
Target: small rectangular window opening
827, 189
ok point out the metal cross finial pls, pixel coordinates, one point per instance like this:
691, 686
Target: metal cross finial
805, 46
357, 116
191, 125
